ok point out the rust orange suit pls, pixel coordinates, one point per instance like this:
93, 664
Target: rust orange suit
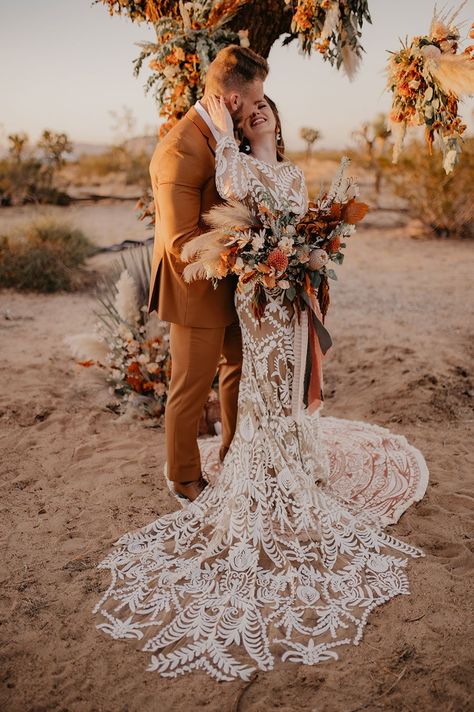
204, 333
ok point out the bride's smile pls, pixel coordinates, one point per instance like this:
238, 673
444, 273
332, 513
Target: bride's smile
261, 121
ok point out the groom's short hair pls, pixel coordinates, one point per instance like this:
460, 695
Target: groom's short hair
233, 67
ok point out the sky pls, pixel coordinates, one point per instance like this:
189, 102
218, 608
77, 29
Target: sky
66, 64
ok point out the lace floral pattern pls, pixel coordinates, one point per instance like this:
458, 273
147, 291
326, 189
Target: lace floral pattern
270, 560
245, 178
285, 554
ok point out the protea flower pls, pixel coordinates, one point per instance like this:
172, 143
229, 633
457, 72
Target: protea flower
317, 259
278, 260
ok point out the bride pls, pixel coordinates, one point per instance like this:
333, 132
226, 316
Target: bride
284, 554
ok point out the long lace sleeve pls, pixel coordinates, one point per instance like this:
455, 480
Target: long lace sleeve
302, 189
231, 171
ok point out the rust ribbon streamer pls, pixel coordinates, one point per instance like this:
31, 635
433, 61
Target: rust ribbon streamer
319, 342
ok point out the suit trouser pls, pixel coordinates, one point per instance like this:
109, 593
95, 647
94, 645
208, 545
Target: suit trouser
196, 355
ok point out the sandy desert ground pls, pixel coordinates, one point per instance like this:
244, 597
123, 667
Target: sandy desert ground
74, 478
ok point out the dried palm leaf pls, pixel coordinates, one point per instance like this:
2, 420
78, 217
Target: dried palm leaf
259, 301
323, 295
353, 212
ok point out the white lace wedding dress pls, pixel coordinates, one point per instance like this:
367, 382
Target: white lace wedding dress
284, 555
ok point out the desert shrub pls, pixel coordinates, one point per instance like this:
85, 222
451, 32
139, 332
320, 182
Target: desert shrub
26, 181
137, 169
27, 178
443, 203
44, 257
117, 159
101, 164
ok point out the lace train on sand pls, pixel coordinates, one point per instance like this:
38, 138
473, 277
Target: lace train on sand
285, 554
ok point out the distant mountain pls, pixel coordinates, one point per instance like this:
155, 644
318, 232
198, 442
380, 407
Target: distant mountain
141, 144
137, 144
81, 148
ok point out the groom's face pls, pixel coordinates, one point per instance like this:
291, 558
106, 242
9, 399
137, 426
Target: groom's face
242, 104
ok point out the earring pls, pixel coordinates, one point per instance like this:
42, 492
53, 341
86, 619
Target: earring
278, 136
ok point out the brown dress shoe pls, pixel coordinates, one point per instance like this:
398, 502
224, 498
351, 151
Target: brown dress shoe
188, 490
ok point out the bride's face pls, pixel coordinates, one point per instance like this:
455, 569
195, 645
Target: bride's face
260, 122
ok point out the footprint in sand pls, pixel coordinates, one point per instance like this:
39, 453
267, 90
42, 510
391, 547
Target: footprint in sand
458, 559
459, 502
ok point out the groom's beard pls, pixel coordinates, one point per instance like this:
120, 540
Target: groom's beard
237, 117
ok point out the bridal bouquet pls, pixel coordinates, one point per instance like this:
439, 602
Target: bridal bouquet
278, 248
427, 78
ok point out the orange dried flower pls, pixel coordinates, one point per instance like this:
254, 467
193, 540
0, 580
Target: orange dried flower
230, 257
335, 211
354, 212
270, 281
334, 245
248, 276
278, 260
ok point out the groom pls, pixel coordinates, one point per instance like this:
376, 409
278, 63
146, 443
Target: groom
204, 332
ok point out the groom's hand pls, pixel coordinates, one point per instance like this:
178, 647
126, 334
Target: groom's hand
220, 115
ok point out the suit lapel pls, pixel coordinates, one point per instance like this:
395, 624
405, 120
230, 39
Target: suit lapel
198, 121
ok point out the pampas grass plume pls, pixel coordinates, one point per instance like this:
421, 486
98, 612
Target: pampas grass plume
87, 346
126, 299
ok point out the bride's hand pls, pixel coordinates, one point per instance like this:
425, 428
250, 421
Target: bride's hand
220, 116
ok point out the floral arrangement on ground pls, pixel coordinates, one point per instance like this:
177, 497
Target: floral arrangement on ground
131, 347
128, 345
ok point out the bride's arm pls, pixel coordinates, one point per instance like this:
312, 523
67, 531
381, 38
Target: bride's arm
231, 170
231, 173
302, 190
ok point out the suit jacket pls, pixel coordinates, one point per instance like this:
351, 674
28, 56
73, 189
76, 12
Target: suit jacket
182, 172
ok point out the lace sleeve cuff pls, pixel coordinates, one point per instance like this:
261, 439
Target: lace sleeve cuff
231, 175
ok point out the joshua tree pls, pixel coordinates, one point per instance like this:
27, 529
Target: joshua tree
18, 143
310, 136
54, 146
373, 136
124, 123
